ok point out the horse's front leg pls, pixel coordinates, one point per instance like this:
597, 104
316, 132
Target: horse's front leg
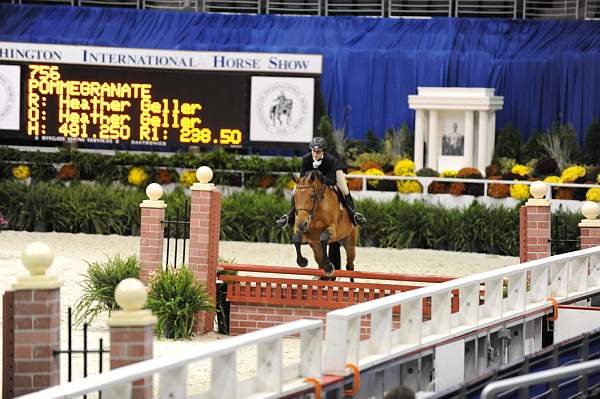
324, 241
300, 260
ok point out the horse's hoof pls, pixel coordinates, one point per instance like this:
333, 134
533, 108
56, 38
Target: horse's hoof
302, 262
329, 269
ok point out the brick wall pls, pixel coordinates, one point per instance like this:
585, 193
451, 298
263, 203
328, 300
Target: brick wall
537, 233
151, 241
590, 237
248, 317
130, 345
37, 335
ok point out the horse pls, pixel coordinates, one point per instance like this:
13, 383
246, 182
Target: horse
321, 219
283, 106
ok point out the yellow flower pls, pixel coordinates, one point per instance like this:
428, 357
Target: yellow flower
374, 172
404, 167
598, 178
409, 186
137, 176
21, 172
552, 179
188, 178
572, 173
448, 173
520, 170
593, 194
519, 191
290, 185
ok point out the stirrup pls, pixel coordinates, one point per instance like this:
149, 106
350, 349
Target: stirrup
359, 218
283, 221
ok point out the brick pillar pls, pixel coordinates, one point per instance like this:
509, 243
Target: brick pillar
36, 323
151, 232
205, 226
590, 226
132, 332
535, 225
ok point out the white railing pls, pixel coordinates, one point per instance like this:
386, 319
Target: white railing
565, 277
579, 370
272, 379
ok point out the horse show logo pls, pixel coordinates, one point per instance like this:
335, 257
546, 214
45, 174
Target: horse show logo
7, 97
282, 108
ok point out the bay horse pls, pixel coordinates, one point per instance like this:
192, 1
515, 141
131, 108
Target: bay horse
321, 219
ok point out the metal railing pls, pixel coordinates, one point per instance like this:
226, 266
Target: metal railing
271, 377
527, 9
550, 9
565, 277
486, 8
582, 370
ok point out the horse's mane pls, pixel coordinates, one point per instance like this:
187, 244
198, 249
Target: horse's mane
317, 173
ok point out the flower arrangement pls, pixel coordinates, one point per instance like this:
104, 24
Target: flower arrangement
290, 184
593, 194
598, 179
519, 191
565, 193
457, 188
355, 184
409, 186
265, 181
66, 173
521, 170
469, 173
469, 188
498, 190
137, 176
164, 176
404, 167
188, 178
374, 172
493, 170
370, 165
572, 173
552, 179
21, 172
438, 187
448, 173
546, 166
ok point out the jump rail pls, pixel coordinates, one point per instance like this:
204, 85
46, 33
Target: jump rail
271, 381
566, 277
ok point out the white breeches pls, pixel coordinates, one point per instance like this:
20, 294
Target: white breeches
340, 178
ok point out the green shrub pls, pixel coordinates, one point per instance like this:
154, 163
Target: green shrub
175, 297
98, 286
508, 143
592, 143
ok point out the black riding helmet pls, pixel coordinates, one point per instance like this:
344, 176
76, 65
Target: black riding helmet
318, 143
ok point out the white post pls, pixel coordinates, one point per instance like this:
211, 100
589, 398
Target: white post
491, 137
434, 145
482, 140
469, 134
419, 138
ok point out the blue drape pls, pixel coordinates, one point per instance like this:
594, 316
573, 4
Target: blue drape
546, 70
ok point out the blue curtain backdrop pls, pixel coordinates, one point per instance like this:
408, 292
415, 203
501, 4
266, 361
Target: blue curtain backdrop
546, 70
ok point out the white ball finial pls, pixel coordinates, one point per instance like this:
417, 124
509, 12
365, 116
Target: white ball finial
154, 191
37, 257
131, 294
538, 189
590, 210
204, 174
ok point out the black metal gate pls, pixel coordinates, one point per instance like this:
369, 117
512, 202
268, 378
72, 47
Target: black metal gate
85, 351
175, 230
565, 235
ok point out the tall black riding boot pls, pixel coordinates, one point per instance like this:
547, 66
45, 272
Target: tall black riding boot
356, 217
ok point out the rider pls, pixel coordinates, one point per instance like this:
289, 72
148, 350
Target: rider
331, 169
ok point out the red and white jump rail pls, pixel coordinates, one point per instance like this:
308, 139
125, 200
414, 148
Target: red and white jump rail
531, 289
272, 380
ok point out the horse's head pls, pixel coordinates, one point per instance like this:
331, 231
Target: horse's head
309, 188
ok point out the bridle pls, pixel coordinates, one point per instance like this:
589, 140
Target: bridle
315, 197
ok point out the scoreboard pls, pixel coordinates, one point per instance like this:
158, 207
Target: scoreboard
143, 108
149, 107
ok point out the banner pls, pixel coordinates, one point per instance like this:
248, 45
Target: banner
282, 109
152, 58
10, 105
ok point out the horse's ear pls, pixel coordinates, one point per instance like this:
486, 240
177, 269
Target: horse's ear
294, 177
312, 177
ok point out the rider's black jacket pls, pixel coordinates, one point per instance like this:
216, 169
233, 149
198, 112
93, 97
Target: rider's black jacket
329, 164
